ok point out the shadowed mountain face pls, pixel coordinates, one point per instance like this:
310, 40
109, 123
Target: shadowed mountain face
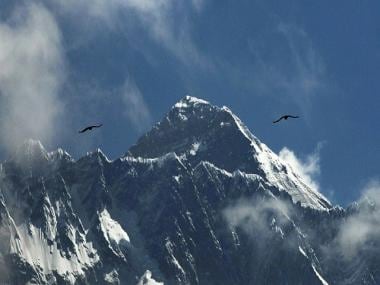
198, 200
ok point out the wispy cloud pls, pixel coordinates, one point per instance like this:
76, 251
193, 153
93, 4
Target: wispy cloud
298, 72
267, 222
362, 228
259, 218
135, 107
148, 26
307, 168
164, 21
31, 73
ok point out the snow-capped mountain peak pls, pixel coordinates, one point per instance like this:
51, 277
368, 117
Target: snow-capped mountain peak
199, 131
198, 200
31, 149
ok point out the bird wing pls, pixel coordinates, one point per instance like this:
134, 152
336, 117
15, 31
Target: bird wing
290, 116
279, 119
96, 126
90, 128
85, 129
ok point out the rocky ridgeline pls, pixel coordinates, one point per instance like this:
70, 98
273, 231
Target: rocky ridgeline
198, 200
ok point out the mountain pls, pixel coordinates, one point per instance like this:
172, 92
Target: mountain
197, 200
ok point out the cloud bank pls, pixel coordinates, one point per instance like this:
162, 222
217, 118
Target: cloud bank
157, 18
31, 74
360, 229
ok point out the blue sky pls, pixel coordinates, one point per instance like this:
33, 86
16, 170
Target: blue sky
126, 62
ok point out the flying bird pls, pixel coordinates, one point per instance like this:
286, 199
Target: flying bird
89, 128
285, 117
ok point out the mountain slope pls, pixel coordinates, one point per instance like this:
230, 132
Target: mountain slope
197, 200
197, 131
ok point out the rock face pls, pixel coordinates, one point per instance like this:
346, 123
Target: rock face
198, 200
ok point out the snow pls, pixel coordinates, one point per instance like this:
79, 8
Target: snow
160, 161
177, 178
189, 101
235, 238
302, 251
32, 144
147, 279
37, 248
236, 173
169, 248
112, 230
277, 229
278, 172
102, 154
323, 281
195, 100
182, 117
188, 215
112, 277
157, 161
274, 170
181, 105
59, 153
224, 124
30, 150
274, 167
194, 148
30, 243
244, 130
287, 180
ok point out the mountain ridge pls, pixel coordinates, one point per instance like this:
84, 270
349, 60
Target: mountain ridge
191, 203
228, 129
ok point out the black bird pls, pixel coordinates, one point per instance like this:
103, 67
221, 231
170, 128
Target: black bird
285, 117
89, 128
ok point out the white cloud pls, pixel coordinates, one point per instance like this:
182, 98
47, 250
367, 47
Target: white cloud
361, 228
260, 217
299, 73
165, 21
135, 107
30, 76
308, 168
309, 68
174, 35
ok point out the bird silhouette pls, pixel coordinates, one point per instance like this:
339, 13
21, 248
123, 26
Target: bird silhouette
89, 128
285, 117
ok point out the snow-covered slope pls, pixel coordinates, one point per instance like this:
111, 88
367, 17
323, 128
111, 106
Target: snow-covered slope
198, 131
197, 200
